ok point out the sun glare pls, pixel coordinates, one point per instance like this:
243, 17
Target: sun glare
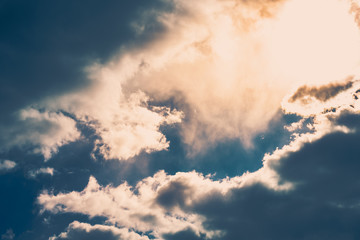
313, 42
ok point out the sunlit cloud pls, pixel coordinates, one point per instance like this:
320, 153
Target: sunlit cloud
226, 67
77, 230
44, 131
267, 85
231, 66
164, 205
314, 41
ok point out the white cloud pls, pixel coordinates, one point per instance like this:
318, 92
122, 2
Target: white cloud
164, 204
77, 229
145, 208
45, 171
126, 124
224, 67
221, 62
7, 165
45, 131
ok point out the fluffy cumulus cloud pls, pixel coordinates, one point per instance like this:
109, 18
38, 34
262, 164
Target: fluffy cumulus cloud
157, 204
305, 190
224, 63
125, 124
44, 131
77, 230
220, 68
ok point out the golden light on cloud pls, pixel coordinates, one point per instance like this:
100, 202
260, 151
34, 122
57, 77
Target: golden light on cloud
233, 65
314, 41
226, 64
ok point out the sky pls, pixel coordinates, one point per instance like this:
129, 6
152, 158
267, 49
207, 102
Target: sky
179, 119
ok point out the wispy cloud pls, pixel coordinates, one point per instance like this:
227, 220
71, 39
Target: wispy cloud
8, 235
6, 165
41, 171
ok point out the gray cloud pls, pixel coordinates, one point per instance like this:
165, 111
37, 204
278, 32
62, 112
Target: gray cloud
174, 194
322, 93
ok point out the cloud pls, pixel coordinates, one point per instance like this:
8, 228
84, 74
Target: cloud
202, 62
6, 165
149, 207
225, 66
55, 67
77, 230
125, 124
208, 73
44, 131
315, 100
355, 10
322, 204
8, 235
322, 93
305, 190
212, 67
123, 117
47, 171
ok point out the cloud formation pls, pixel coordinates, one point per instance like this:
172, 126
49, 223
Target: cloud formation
225, 66
219, 70
322, 93
7, 165
77, 230
41, 171
305, 186
44, 131
332, 97
314, 196
214, 69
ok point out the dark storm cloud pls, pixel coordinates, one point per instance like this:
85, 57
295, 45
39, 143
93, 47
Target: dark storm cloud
322, 93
